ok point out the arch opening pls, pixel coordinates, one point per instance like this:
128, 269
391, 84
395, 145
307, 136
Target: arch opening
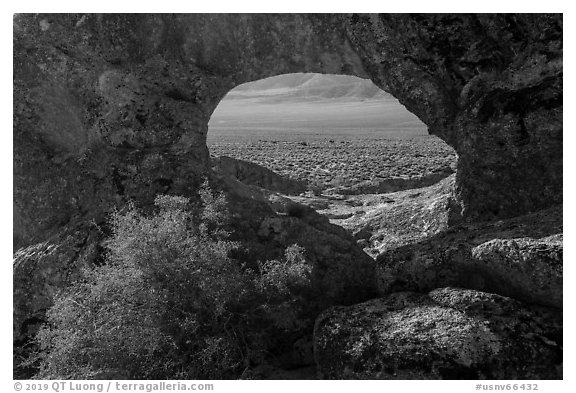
340, 145
334, 133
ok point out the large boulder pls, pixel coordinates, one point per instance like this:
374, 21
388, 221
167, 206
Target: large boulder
530, 269
448, 334
520, 258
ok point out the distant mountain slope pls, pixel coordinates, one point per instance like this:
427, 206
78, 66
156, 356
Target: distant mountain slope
309, 87
324, 103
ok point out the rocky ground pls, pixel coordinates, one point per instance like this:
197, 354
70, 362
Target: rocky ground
456, 300
380, 222
406, 289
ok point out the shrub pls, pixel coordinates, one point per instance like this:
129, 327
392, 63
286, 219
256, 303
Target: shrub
281, 283
169, 302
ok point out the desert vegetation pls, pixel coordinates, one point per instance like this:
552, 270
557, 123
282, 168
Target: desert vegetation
169, 302
326, 160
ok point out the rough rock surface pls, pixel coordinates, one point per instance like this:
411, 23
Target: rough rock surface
381, 222
256, 175
448, 334
404, 217
530, 269
519, 258
490, 86
40, 271
116, 106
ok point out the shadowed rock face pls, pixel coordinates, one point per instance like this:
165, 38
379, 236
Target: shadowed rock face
112, 107
490, 86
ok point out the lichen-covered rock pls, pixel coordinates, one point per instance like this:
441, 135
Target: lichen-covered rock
524, 268
448, 334
516, 257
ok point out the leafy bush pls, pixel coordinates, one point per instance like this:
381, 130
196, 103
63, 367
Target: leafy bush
169, 302
281, 283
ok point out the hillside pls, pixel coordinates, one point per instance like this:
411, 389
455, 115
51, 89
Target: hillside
311, 102
309, 87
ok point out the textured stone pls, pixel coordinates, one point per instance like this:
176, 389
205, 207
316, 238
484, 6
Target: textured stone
530, 269
40, 271
519, 257
448, 334
405, 217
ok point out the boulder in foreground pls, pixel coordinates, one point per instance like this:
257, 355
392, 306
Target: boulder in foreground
524, 268
520, 258
447, 334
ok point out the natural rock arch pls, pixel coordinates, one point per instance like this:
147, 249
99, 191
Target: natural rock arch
114, 106
109, 108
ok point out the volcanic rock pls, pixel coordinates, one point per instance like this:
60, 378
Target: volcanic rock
519, 258
448, 334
